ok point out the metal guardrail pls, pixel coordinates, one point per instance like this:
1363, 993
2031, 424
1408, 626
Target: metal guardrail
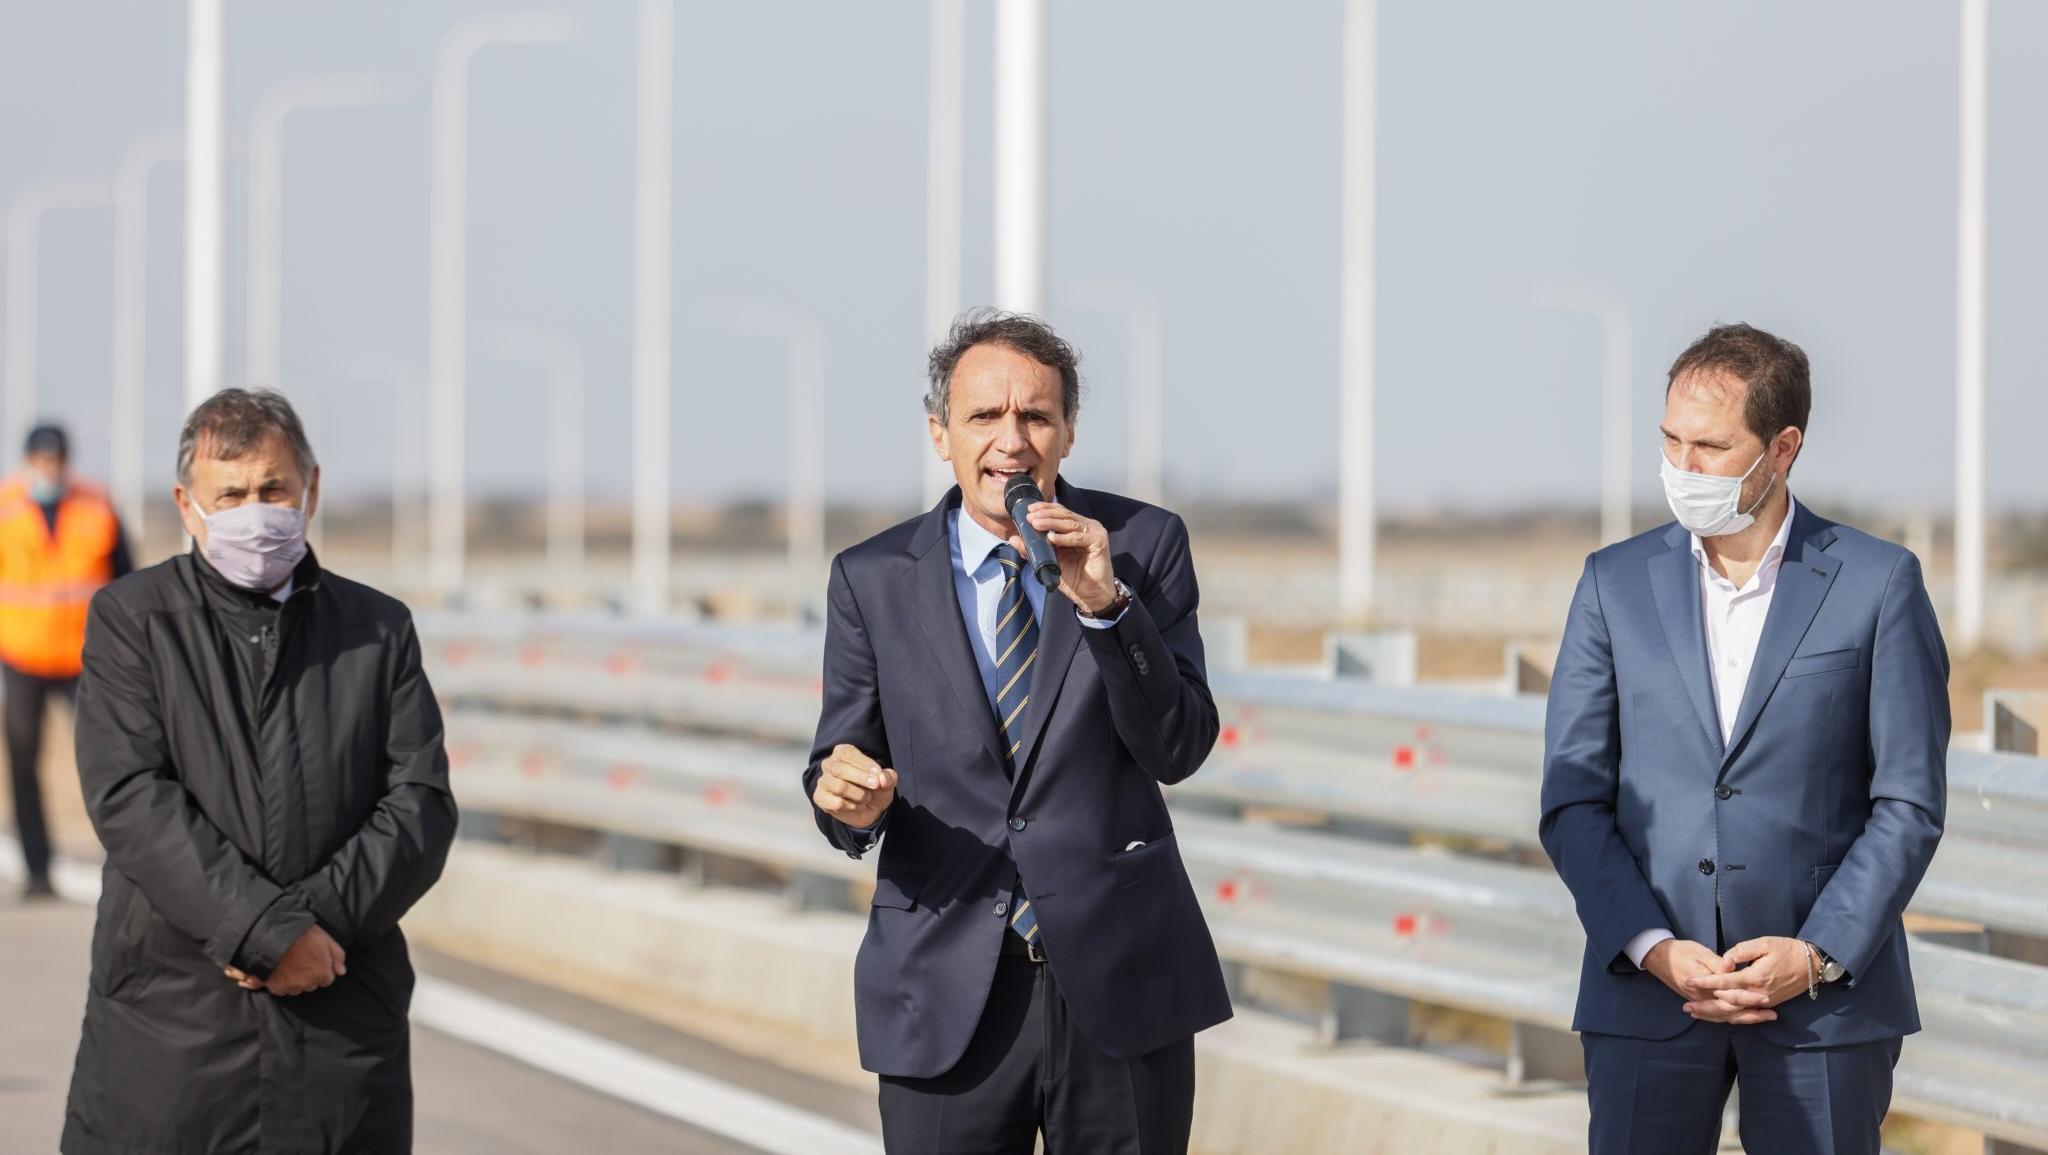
1418, 759
1381, 923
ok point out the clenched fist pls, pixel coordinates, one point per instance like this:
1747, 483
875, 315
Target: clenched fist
854, 788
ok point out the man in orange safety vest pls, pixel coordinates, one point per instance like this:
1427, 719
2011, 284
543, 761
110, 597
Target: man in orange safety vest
59, 543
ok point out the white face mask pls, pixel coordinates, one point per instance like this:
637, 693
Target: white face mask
256, 545
1706, 504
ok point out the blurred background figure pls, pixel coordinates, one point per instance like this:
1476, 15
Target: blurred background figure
59, 543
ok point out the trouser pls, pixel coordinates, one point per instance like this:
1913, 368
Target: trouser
27, 695
1027, 1069
1667, 1095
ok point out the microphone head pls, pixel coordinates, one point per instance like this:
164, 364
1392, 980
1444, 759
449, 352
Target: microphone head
1020, 487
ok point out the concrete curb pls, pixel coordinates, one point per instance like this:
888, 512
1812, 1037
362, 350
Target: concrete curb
745, 971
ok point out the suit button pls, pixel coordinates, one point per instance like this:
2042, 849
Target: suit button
1723, 793
1706, 866
1002, 908
1017, 824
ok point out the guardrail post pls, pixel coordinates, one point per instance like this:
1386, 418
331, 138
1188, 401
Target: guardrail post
811, 891
625, 852
1226, 644
481, 826
2014, 719
1543, 1055
1356, 1013
1528, 671
1381, 657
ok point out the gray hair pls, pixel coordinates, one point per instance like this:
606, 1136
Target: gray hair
1019, 331
233, 422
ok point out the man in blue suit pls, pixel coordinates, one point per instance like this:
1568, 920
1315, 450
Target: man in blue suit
1744, 779
1036, 959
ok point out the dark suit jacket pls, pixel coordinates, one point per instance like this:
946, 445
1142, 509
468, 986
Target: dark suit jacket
1113, 714
1815, 822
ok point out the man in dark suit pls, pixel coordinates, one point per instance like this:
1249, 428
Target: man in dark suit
1036, 959
1744, 780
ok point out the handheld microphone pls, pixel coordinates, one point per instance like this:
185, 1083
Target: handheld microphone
1018, 494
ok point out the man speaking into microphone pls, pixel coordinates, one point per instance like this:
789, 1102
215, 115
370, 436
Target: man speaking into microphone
1036, 960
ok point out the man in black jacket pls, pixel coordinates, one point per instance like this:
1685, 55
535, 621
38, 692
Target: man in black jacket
1036, 959
262, 757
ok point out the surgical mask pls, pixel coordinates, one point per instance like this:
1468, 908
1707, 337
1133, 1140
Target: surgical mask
1706, 504
256, 545
43, 491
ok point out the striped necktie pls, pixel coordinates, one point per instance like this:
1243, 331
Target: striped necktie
1016, 652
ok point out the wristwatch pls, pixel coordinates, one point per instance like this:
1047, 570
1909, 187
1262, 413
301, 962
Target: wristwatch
1830, 970
1116, 607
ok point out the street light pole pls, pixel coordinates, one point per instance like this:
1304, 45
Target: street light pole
806, 344
562, 366
1970, 293
1357, 518
1020, 156
1617, 355
945, 118
262, 361
448, 274
25, 212
131, 325
653, 305
1145, 342
205, 176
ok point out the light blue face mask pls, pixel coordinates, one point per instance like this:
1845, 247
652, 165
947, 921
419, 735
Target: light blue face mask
44, 491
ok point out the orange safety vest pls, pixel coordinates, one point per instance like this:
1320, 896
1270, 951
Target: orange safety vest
47, 579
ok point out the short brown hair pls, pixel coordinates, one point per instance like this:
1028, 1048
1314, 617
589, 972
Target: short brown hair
1780, 392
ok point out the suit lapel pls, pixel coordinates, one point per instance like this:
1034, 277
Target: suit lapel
938, 616
1675, 584
1059, 635
1804, 577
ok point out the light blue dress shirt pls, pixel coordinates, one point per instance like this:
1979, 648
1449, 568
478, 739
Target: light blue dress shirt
978, 583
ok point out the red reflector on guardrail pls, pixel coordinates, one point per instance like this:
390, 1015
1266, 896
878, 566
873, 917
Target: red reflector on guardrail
622, 777
1404, 757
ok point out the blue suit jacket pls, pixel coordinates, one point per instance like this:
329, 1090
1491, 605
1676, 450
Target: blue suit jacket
1816, 821
1113, 714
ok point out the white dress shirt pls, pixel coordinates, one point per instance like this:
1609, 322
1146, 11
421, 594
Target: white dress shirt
1735, 626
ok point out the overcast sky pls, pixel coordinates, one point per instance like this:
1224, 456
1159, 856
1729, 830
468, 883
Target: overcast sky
1792, 165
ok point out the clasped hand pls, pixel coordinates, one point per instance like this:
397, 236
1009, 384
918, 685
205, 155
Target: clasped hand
1739, 987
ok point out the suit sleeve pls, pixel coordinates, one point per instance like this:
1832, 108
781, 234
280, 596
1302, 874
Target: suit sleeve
1151, 662
153, 831
397, 855
1859, 908
851, 712
1581, 779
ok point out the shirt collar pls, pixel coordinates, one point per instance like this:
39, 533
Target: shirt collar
976, 542
1772, 556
